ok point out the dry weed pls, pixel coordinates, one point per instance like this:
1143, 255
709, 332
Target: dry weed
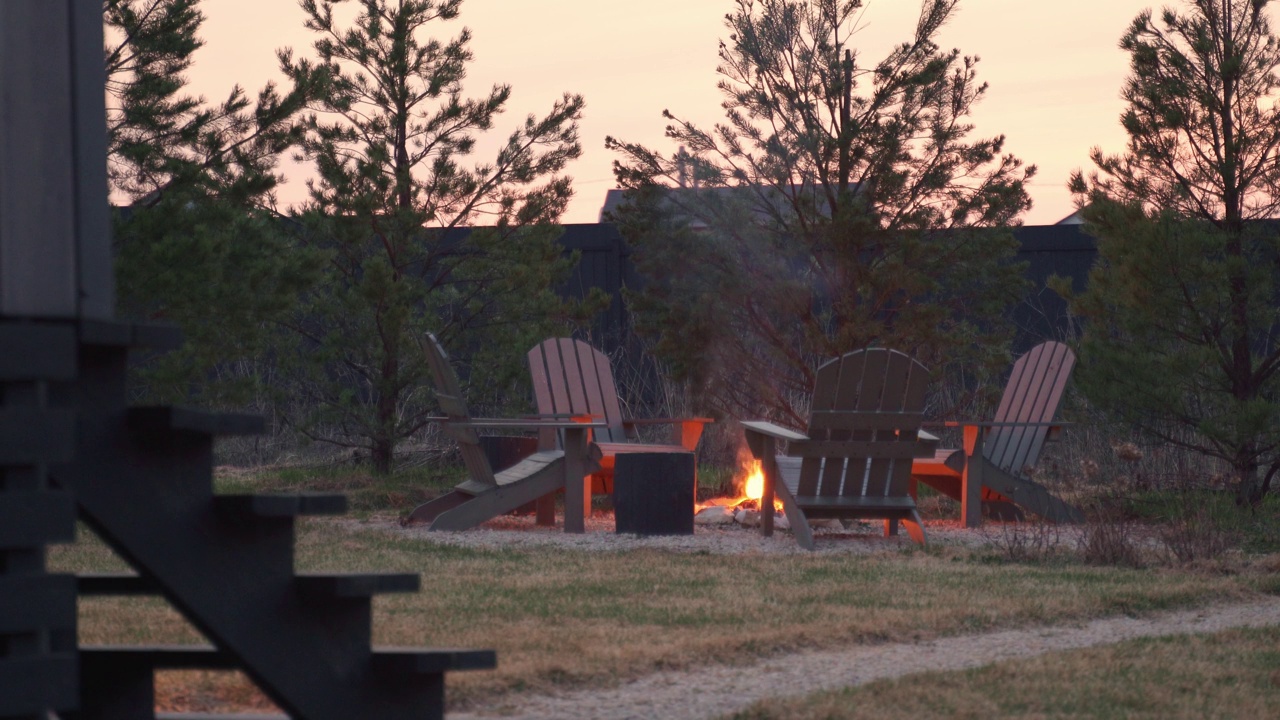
1029, 541
1109, 538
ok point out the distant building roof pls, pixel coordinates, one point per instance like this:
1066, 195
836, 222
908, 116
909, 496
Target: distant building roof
1074, 218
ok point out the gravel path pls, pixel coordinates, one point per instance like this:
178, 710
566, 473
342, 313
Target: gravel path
714, 691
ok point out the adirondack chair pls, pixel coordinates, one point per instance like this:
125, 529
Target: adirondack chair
571, 378
987, 472
485, 495
855, 461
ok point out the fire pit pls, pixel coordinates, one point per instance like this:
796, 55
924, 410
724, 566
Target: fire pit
743, 509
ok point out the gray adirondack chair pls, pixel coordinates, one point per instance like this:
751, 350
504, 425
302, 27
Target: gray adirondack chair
987, 472
571, 378
484, 494
855, 460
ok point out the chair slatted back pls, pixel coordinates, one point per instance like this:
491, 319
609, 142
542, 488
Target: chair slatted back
449, 393
866, 410
572, 378
1032, 396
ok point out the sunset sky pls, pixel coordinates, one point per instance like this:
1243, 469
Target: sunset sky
1054, 71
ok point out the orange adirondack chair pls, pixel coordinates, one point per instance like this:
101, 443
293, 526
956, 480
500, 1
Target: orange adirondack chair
855, 460
987, 472
571, 378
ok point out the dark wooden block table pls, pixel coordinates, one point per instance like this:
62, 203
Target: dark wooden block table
653, 493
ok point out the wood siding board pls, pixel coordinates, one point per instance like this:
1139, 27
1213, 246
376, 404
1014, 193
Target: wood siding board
37, 161
93, 220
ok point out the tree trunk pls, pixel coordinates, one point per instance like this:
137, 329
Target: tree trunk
1248, 487
383, 452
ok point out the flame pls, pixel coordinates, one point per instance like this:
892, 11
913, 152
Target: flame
753, 487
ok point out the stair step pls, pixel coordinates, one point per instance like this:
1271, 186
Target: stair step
111, 333
37, 352
228, 716
30, 518
36, 602
32, 684
155, 420
400, 661
280, 505
417, 661
35, 435
160, 657
115, 584
356, 585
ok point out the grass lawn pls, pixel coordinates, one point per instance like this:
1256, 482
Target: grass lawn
1233, 674
561, 618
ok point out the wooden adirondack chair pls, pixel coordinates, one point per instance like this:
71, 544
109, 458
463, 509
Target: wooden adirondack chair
571, 378
485, 495
855, 461
987, 472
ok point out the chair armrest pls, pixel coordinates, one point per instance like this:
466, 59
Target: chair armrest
926, 444
777, 432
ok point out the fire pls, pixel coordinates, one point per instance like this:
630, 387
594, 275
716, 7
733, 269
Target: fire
753, 488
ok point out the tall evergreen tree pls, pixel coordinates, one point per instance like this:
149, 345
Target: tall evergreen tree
839, 205
199, 244
1182, 305
392, 141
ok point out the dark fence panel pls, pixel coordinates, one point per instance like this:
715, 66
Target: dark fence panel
1046, 249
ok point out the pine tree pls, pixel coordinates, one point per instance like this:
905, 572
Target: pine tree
199, 244
1181, 307
839, 205
391, 142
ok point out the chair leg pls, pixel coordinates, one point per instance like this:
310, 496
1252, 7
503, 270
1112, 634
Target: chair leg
915, 527
971, 479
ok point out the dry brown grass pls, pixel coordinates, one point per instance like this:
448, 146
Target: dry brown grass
1225, 675
562, 618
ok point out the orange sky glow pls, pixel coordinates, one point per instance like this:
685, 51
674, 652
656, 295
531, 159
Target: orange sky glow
1054, 70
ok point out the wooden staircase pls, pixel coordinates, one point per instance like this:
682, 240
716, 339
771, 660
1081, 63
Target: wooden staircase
38, 669
142, 479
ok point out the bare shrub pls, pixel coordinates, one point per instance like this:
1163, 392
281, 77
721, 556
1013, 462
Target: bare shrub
1030, 541
1109, 538
1196, 536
